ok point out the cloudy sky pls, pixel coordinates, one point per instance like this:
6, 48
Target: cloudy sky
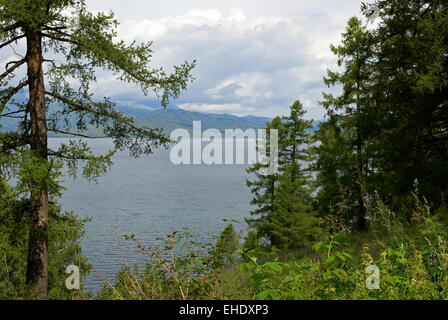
253, 56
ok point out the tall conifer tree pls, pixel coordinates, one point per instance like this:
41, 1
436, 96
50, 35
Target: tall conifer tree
284, 201
63, 46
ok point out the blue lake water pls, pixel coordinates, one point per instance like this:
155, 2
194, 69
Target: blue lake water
150, 197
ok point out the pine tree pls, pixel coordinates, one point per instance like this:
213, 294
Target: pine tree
348, 110
389, 126
263, 186
410, 90
284, 201
65, 46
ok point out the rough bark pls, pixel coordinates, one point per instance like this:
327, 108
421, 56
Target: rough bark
362, 208
37, 265
359, 159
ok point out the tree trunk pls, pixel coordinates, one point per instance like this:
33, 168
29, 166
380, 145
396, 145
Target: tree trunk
37, 265
362, 207
359, 159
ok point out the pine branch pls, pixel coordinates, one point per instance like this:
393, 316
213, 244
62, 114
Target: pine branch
11, 41
56, 29
112, 115
12, 117
11, 28
14, 67
56, 38
63, 156
11, 113
13, 142
74, 134
12, 94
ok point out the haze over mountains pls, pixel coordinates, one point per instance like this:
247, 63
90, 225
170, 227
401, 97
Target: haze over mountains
175, 118
172, 118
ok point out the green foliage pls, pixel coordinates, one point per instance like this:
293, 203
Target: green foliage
410, 86
222, 253
283, 200
412, 258
343, 154
65, 232
337, 193
388, 125
180, 268
412, 263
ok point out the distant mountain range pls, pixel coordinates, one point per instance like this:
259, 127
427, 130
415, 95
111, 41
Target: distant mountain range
172, 118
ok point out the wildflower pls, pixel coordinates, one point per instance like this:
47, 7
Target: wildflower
416, 184
433, 256
368, 199
318, 256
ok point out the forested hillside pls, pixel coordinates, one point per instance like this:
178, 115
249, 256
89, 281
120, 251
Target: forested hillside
166, 119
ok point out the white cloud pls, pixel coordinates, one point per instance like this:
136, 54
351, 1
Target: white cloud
134, 105
246, 86
269, 95
253, 56
215, 93
236, 109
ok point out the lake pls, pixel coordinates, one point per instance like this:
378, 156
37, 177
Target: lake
150, 197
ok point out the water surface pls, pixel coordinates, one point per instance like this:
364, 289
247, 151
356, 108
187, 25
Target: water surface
150, 197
